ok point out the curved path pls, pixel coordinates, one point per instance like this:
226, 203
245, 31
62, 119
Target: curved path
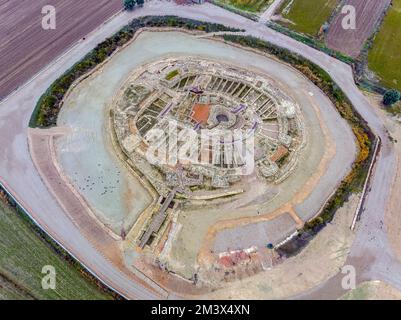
19, 176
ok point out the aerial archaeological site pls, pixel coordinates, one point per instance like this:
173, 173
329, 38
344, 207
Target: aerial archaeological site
200, 150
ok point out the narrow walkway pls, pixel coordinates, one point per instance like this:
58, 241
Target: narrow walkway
158, 219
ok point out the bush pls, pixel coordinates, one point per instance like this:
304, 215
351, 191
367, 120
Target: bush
172, 74
390, 97
130, 4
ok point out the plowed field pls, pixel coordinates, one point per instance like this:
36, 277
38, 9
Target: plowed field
350, 42
26, 47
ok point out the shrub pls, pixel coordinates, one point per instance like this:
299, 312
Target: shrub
390, 97
130, 4
171, 74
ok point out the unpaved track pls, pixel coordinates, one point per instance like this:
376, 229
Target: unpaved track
19, 175
269, 12
26, 47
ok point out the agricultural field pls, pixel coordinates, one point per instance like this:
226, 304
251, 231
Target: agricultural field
384, 57
26, 47
306, 16
23, 254
254, 6
351, 41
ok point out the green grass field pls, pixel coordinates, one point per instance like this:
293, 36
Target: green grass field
254, 6
385, 56
23, 254
307, 15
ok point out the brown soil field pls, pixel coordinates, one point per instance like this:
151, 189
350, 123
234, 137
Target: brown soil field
350, 42
26, 48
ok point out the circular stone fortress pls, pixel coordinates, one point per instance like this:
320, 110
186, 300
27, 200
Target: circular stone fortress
192, 96
186, 159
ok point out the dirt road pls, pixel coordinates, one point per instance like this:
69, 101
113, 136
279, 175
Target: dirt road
26, 47
269, 12
20, 177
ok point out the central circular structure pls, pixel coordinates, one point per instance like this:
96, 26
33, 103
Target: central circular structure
248, 122
222, 118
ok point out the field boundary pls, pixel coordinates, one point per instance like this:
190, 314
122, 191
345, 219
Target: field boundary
246, 14
310, 41
361, 67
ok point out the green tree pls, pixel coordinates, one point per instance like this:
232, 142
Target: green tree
140, 2
390, 97
130, 4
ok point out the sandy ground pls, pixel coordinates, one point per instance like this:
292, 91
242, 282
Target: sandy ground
258, 234
88, 158
26, 48
393, 213
320, 260
375, 253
